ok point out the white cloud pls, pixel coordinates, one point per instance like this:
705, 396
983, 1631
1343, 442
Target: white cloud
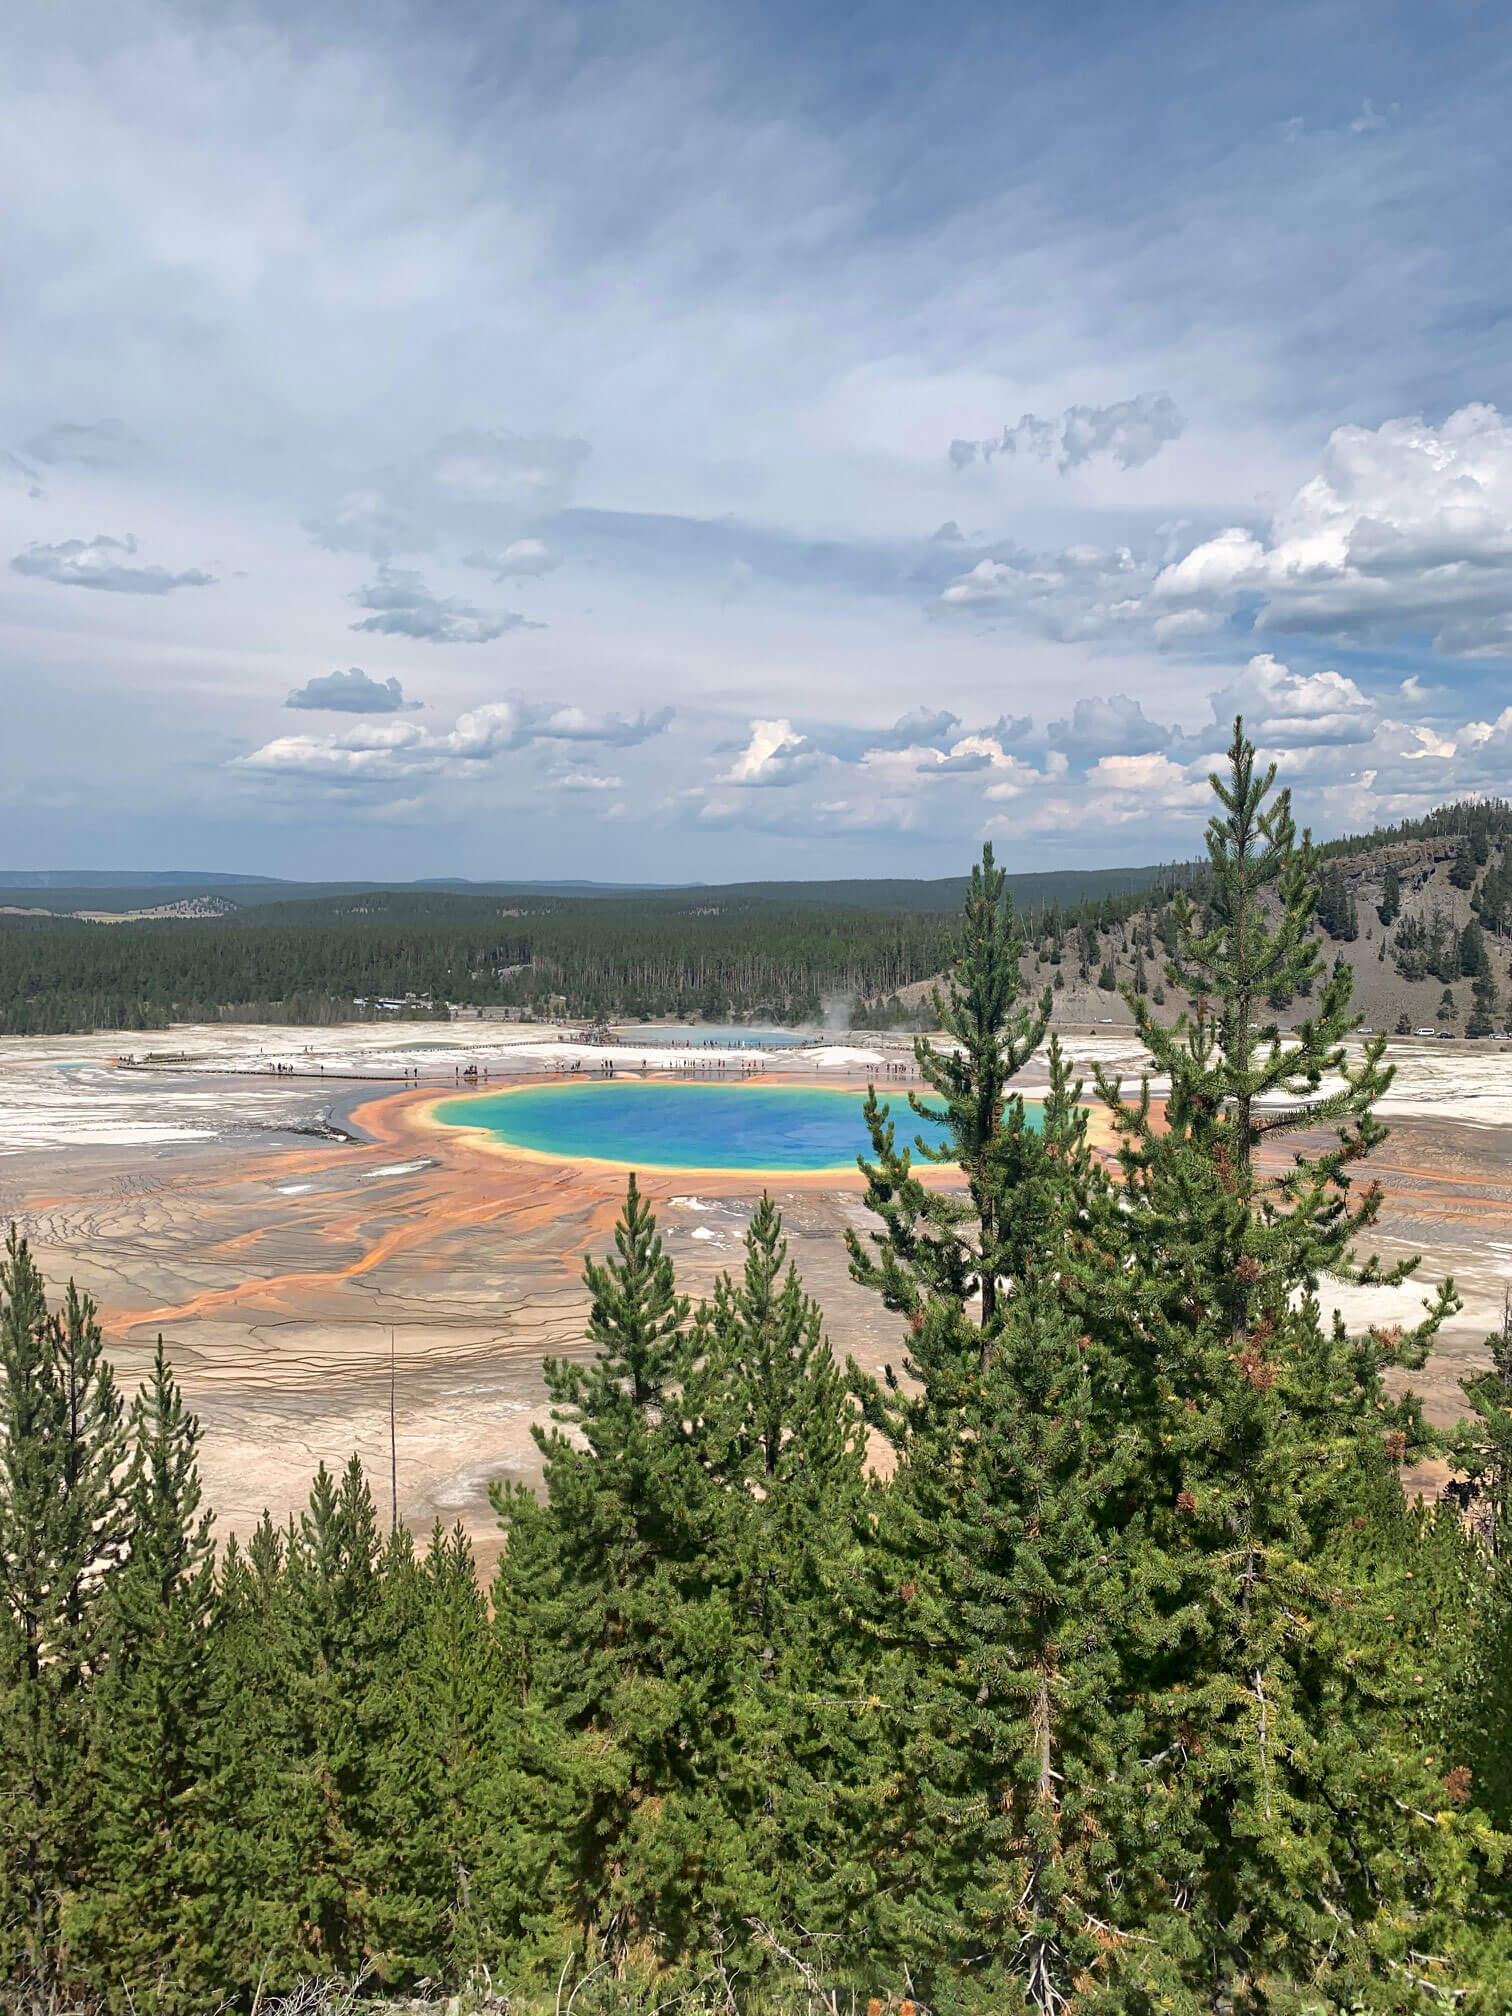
1081, 591
521, 560
379, 752
1154, 778
373, 753
1119, 791
1129, 433
350, 692
1182, 624
1405, 526
472, 485
988, 581
511, 724
403, 606
105, 564
775, 755
574, 724
1108, 724
1430, 746
1290, 710
589, 780
1495, 734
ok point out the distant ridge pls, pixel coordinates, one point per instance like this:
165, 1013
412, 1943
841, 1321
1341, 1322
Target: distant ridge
130, 878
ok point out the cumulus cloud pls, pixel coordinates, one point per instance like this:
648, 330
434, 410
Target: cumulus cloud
988, 581
1290, 710
521, 560
1080, 592
96, 444
374, 752
1181, 626
404, 607
902, 769
104, 563
511, 724
619, 731
588, 780
1009, 728
472, 486
1012, 575
1129, 433
1405, 527
1111, 724
350, 692
930, 737
1486, 735
776, 755
1118, 791
922, 725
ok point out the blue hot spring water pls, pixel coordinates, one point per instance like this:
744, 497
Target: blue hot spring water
642, 1124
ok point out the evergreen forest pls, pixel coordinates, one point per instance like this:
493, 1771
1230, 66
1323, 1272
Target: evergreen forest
1092, 1663
771, 952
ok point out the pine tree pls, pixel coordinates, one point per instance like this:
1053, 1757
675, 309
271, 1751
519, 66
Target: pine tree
934, 1244
1281, 1799
791, 1441
62, 1535
986, 1806
991, 1856
619, 1584
1474, 960
243, 1932
335, 1684
301, 1687
790, 1450
135, 1923
1482, 1447
445, 1731
1462, 867
1482, 1450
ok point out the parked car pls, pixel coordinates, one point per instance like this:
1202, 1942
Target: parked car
1425, 1032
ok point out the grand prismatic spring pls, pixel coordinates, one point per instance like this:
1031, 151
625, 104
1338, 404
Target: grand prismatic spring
750, 1127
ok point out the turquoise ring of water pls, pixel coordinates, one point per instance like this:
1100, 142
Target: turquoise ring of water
750, 1126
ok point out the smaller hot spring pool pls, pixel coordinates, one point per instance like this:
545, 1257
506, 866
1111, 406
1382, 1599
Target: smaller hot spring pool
633, 1124
711, 1036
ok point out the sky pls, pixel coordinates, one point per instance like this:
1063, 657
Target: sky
652, 442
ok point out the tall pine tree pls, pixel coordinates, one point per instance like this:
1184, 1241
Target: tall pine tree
788, 1447
619, 1585
136, 1921
63, 1530
1282, 1806
984, 1852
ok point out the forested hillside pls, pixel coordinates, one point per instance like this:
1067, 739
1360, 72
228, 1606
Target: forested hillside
1127, 1685
1423, 913
620, 958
